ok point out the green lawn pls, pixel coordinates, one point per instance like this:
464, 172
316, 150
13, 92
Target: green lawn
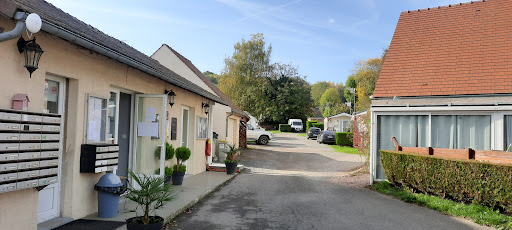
302, 134
345, 149
275, 131
480, 214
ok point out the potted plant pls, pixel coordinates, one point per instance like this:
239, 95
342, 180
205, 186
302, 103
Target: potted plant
231, 162
182, 154
151, 195
167, 174
169, 154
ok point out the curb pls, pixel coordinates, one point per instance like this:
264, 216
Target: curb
170, 217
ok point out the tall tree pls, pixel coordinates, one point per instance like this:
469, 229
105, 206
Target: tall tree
318, 89
366, 74
330, 102
246, 68
212, 76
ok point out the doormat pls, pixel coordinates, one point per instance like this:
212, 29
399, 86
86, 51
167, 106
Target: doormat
82, 224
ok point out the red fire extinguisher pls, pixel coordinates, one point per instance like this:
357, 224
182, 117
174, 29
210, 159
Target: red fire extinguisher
208, 149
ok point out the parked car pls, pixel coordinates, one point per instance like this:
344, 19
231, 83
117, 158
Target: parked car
313, 132
259, 135
326, 137
296, 124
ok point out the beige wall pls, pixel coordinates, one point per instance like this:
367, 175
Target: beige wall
168, 59
86, 73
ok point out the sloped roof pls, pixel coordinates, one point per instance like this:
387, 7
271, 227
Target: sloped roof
463, 49
53, 15
209, 83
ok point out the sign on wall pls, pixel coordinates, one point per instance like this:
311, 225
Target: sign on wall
174, 125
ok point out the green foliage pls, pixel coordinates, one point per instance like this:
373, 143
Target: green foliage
285, 128
319, 125
230, 161
480, 214
151, 195
214, 78
331, 103
168, 172
276, 92
460, 180
232, 153
344, 139
317, 90
183, 168
182, 154
309, 124
169, 151
345, 149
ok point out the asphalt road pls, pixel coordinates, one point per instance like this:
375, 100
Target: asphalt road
294, 183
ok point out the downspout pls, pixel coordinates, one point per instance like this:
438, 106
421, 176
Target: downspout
18, 30
227, 122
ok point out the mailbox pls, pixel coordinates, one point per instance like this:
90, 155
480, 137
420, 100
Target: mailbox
96, 158
29, 149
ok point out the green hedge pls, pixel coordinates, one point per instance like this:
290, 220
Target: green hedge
285, 128
309, 124
467, 181
319, 125
344, 139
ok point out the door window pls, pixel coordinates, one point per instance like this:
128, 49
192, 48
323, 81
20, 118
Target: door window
51, 96
111, 118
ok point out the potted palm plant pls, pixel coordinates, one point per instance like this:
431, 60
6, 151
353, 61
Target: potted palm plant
182, 154
151, 195
231, 162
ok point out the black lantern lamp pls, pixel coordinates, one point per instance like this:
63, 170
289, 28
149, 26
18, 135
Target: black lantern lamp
32, 52
206, 107
171, 95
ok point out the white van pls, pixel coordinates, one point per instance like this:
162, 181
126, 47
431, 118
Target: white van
296, 124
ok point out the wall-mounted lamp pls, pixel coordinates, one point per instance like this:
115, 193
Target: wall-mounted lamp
30, 49
206, 108
32, 52
171, 96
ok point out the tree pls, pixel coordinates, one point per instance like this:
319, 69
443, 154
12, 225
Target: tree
318, 89
243, 73
330, 102
287, 94
214, 78
366, 74
274, 92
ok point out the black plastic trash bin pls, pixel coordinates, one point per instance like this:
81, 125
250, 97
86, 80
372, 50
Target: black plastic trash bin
109, 189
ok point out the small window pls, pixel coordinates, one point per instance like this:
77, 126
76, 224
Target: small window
202, 127
96, 119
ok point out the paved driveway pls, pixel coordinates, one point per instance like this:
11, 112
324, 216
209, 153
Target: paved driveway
294, 183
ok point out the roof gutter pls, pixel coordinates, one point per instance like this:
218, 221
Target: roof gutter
18, 30
227, 122
91, 45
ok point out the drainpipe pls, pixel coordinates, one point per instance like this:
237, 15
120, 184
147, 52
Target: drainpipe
18, 30
227, 123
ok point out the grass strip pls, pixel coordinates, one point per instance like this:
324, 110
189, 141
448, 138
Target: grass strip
480, 214
345, 149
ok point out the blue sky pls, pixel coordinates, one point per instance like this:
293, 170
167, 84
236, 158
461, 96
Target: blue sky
324, 38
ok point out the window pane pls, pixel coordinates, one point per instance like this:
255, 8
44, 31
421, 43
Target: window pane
97, 119
461, 131
111, 127
410, 131
51, 96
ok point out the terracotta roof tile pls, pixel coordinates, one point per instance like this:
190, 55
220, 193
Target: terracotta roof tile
452, 50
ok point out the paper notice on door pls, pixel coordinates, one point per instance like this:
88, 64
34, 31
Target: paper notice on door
151, 114
153, 129
93, 132
142, 129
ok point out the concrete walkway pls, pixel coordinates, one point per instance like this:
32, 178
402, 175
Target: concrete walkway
194, 188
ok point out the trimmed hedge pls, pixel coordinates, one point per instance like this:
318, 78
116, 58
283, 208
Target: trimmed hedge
344, 139
467, 181
319, 125
285, 128
309, 124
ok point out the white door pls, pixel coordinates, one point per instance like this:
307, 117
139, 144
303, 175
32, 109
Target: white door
185, 126
49, 197
149, 134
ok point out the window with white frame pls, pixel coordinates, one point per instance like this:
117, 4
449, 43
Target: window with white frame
202, 127
461, 131
96, 119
